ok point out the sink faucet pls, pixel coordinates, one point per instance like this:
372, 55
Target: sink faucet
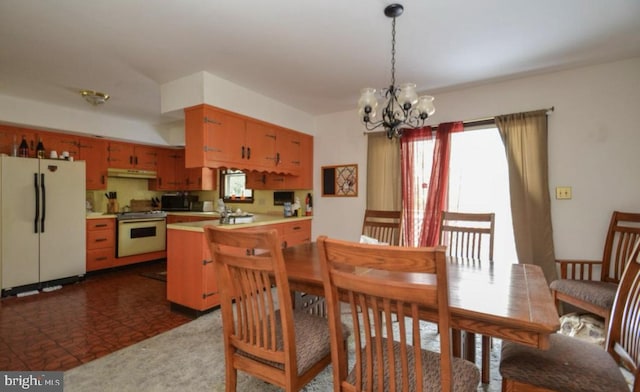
225, 215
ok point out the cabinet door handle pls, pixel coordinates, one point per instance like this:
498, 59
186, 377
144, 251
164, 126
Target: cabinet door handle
212, 121
207, 149
205, 262
101, 258
100, 225
248, 152
101, 239
205, 295
296, 228
242, 153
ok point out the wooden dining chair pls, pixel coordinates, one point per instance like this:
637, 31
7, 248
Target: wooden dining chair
263, 335
577, 286
384, 226
470, 236
573, 365
389, 355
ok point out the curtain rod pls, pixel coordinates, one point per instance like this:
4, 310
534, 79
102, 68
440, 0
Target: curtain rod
478, 122
490, 120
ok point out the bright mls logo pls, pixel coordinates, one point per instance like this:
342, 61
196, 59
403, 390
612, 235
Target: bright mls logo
31, 381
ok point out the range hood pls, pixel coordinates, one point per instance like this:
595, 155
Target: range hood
131, 173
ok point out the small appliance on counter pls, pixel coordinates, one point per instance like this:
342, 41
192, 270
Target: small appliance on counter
177, 201
201, 206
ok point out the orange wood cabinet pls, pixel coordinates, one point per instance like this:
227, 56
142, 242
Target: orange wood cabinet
95, 154
60, 142
101, 244
218, 138
132, 156
190, 274
213, 137
300, 155
296, 232
187, 218
168, 178
174, 176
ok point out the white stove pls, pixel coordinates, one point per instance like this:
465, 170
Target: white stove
141, 232
139, 215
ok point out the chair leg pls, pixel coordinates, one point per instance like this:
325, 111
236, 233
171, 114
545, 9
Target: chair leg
231, 379
486, 359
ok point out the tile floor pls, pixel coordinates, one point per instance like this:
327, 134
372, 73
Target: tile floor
65, 328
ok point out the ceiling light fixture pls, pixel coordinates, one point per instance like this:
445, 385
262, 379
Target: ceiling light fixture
403, 109
94, 97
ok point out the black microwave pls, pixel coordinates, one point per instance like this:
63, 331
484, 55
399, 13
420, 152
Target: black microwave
177, 202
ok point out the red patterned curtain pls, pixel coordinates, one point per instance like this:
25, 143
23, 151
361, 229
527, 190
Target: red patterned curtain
412, 165
437, 199
422, 212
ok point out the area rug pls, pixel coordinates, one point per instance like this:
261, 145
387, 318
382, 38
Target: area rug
160, 275
191, 358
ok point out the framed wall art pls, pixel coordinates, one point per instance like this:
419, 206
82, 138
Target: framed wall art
340, 181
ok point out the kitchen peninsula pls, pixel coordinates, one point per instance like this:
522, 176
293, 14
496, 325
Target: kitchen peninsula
191, 281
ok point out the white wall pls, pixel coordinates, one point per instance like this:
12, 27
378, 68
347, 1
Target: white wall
594, 147
42, 115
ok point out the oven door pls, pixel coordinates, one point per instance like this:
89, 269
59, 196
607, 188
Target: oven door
139, 236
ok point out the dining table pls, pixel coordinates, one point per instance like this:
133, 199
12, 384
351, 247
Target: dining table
502, 300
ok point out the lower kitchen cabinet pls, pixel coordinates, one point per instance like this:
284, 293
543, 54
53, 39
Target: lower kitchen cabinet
187, 218
190, 274
101, 243
191, 280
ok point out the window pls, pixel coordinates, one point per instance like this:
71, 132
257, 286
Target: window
233, 187
479, 182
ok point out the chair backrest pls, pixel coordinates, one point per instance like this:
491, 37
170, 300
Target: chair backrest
624, 231
468, 235
382, 225
247, 265
623, 337
355, 270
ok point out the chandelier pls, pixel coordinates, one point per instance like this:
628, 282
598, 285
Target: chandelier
94, 97
402, 108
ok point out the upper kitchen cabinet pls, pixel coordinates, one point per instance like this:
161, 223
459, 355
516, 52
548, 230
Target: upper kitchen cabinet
8, 136
303, 148
60, 143
213, 137
95, 153
218, 138
168, 178
174, 176
131, 156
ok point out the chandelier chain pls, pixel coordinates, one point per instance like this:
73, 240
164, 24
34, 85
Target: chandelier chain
393, 52
402, 108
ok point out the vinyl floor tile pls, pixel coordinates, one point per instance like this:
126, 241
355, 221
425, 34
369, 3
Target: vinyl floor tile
84, 321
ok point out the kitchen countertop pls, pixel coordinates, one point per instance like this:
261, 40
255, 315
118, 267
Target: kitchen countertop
103, 215
258, 220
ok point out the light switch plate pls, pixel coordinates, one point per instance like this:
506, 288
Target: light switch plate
563, 192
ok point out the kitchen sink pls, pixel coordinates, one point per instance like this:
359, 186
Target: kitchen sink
234, 219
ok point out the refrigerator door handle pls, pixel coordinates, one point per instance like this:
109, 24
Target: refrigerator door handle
37, 189
44, 202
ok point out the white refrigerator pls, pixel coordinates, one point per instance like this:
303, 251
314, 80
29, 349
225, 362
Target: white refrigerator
42, 221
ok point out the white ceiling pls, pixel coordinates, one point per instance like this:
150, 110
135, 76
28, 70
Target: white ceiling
312, 55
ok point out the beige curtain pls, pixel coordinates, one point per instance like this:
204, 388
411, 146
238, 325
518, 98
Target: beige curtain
525, 139
383, 173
